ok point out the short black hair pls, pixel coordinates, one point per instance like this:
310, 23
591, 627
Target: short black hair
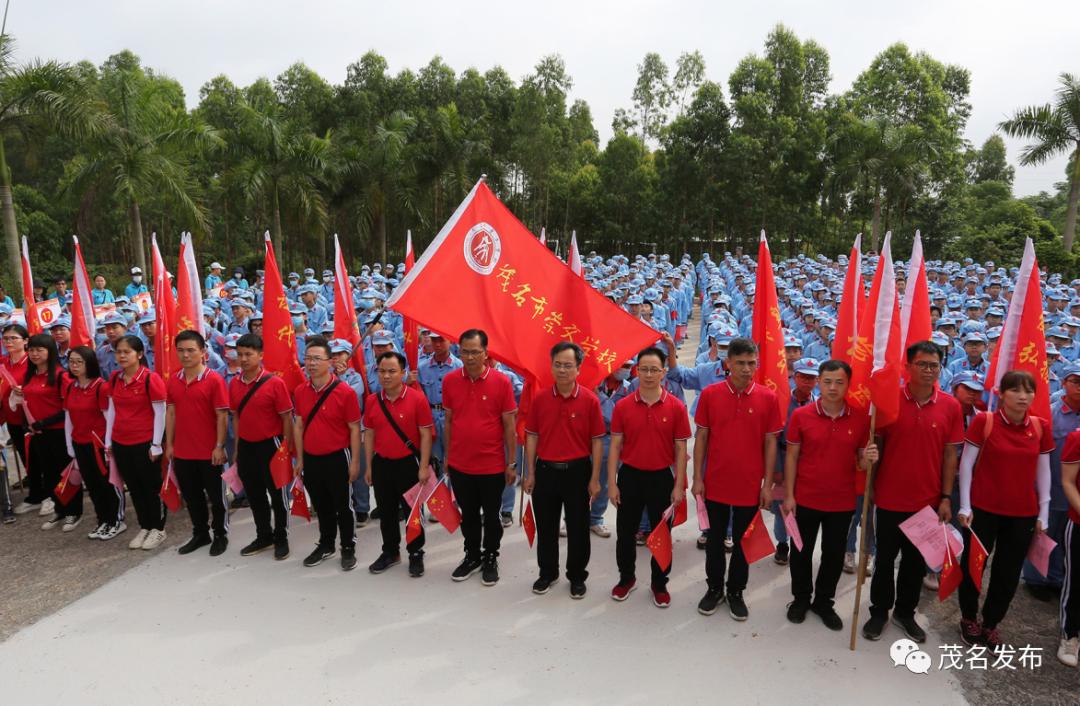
318, 342
190, 335
89, 359
392, 354
832, 365
19, 329
653, 350
475, 333
924, 347
250, 340
1018, 380
741, 346
579, 355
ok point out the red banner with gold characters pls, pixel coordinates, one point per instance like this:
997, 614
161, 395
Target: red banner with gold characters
486, 270
768, 331
279, 338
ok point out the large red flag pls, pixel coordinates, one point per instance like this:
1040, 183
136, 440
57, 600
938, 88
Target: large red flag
188, 289
768, 331
519, 292
165, 360
915, 313
33, 324
851, 305
574, 260
875, 357
1022, 345
83, 325
543, 237
411, 330
345, 325
279, 339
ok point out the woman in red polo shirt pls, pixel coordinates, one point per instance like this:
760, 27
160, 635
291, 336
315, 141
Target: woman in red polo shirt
42, 391
15, 337
134, 426
1069, 647
1005, 479
85, 402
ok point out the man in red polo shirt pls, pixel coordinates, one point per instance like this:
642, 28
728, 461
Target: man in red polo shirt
327, 437
738, 423
649, 430
196, 418
262, 410
395, 464
917, 468
563, 446
481, 443
825, 441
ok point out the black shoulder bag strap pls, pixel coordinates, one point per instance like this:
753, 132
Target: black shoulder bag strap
401, 435
251, 393
319, 403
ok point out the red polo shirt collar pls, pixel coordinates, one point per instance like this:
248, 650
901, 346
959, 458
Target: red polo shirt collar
663, 396
744, 393
844, 411
573, 395
932, 400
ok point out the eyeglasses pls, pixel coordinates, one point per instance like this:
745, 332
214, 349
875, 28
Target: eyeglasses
650, 371
12, 338
314, 359
927, 367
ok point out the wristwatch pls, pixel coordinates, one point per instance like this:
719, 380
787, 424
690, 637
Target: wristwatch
512, 465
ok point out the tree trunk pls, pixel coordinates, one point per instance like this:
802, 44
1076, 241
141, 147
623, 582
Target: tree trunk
1070, 211
380, 232
875, 223
137, 245
11, 228
276, 235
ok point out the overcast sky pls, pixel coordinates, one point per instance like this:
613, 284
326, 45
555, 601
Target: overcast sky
1014, 51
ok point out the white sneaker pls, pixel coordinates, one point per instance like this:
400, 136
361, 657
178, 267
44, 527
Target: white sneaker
96, 534
849, 562
154, 539
600, 530
137, 542
111, 531
71, 522
25, 507
53, 521
1069, 651
930, 582
48, 507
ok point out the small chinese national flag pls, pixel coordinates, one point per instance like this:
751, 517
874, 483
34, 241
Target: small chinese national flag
299, 501
441, 504
414, 527
756, 542
977, 556
951, 574
70, 482
170, 491
281, 469
659, 541
528, 522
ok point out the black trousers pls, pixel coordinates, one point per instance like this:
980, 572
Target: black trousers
200, 480
327, 479
48, 459
1070, 590
478, 493
253, 466
639, 491
392, 477
740, 517
834, 530
108, 501
891, 541
557, 489
17, 433
1007, 539
143, 480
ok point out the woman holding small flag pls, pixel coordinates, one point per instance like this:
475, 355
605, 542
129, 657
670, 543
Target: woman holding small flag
16, 361
1004, 501
85, 403
397, 447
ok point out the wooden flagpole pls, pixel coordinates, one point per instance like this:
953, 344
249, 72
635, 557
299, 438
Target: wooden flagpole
863, 558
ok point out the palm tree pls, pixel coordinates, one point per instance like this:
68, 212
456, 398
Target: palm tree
1057, 129
37, 94
143, 153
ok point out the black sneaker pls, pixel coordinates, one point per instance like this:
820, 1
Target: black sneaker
281, 550
239, 503
543, 585
260, 544
796, 611
466, 569
490, 574
416, 565
910, 628
828, 616
1040, 592
507, 519
781, 555
737, 606
577, 590
375, 514
318, 556
219, 545
362, 518
710, 602
348, 558
703, 540
196, 542
384, 562
873, 627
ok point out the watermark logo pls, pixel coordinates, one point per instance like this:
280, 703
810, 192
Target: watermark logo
906, 653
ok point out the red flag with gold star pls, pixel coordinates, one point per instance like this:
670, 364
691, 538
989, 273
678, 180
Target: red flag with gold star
414, 527
441, 504
756, 542
951, 573
659, 541
281, 469
528, 522
279, 339
768, 331
977, 556
70, 482
170, 491
300, 506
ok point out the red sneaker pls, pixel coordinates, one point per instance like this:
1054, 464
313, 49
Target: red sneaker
991, 639
623, 589
660, 597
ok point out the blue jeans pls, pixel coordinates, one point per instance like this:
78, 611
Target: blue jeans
778, 522
1056, 531
511, 490
361, 494
438, 450
852, 537
600, 503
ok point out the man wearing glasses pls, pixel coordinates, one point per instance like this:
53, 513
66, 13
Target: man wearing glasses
917, 468
481, 443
